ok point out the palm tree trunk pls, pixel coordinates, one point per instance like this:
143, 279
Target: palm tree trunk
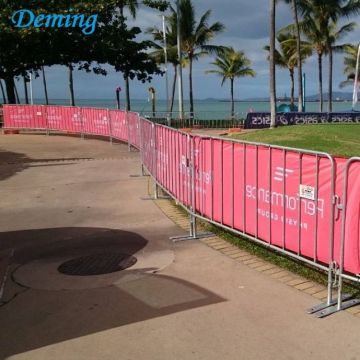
10, 89
299, 59
71, 85
16, 94
292, 89
26, 90
126, 78
272, 64
45, 86
320, 83
3, 92
127, 94
191, 87
232, 100
330, 104
173, 90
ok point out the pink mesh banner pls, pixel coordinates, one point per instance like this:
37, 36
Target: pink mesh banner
134, 129
64, 118
119, 126
96, 121
24, 117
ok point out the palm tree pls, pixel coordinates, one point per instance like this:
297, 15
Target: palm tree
132, 6
323, 43
158, 45
45, 85
317, 40
196, 36
325, 12
272, 64
287, 56
350, 65
25, 79
335, 35
71, 84
232, 64
294, 7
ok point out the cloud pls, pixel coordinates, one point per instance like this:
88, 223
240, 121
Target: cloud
247, 28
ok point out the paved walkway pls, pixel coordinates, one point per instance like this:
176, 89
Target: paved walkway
64, 199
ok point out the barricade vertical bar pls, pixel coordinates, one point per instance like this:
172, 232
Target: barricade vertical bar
160, 154
343, 234
47, 120
270, 192
156, 193
163, 156
129, 129
193, 192
202, 176
331, 235
244, 189
189, 177
172, 162
212, 177
178, 164
257, 191
81, 122
184, 168
153, 137
110, 127
317, 204
142, 151
232, 185
300, 205
222, 180
284, 201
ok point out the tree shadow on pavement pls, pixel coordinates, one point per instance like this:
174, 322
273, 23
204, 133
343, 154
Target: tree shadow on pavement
43, 307
12, 163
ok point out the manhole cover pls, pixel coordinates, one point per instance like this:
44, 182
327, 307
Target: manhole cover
97, 264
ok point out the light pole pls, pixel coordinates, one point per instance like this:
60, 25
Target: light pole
166, 72
356, 81
180, 80
166, 61
304, 93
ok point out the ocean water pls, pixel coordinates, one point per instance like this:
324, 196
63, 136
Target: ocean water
204, 109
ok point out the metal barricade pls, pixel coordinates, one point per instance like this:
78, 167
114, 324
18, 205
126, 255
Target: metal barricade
286, 199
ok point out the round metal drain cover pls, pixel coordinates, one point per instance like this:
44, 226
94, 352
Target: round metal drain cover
97, 264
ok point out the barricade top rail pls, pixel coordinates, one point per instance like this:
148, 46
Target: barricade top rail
71, 107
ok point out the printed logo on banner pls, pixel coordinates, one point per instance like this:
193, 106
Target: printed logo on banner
281, 174
305, 198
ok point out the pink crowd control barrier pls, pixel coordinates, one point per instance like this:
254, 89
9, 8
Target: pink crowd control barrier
289, 199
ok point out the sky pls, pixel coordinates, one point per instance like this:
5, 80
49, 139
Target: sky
247, 29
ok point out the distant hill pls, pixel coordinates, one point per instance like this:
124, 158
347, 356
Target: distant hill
337, 96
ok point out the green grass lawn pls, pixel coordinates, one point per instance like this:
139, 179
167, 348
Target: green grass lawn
336, 139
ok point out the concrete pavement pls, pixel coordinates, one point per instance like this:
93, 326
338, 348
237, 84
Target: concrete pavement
64, 199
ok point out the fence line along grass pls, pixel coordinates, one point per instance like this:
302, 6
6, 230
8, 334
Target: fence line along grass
335, 139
